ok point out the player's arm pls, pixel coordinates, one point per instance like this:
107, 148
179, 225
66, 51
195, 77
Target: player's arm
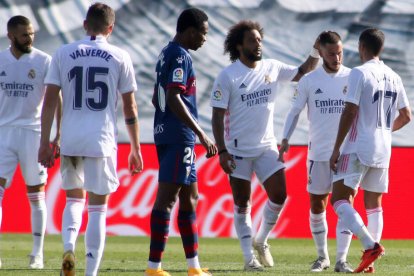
217, 122
403, 118
45, 155
58, 116
345, 123
177, 106
310, 63
130, 109
288, 128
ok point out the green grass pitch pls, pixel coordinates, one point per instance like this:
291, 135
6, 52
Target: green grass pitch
128, 256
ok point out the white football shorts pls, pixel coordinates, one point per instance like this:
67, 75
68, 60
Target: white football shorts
319, 177
94, 174
264, 165
355, 174
20, 145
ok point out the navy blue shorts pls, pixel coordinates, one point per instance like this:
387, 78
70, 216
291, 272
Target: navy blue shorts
176, 164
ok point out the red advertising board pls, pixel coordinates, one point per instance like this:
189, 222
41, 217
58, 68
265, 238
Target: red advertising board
130, 207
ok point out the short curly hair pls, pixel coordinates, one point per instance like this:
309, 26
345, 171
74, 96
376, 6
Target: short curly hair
235, 37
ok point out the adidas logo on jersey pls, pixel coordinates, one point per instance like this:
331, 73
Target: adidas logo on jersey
242, 86
319, 91
3, 74
89, 255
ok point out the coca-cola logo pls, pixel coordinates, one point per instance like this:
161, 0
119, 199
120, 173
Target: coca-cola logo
130, 207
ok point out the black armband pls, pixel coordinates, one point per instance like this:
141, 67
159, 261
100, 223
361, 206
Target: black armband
131, 121
222, 151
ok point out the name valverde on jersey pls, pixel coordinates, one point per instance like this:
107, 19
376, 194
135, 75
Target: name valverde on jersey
379, 93
91, 72
248, 95
22, 88
324, 94
174, 70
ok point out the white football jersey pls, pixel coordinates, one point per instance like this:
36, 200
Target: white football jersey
323, 93
248, 95
90, 73
379, 93
22, 88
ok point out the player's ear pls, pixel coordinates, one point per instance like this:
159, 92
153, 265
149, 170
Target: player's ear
85, 25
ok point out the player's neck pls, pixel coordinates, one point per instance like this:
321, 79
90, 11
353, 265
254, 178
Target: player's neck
16, 52
247, 62
182, 41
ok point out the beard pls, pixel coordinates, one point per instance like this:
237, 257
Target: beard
24, 48
251, 56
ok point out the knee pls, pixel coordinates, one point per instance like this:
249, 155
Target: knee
242, 201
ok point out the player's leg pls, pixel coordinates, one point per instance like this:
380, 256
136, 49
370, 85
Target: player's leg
271, 173
100, 181
72, 183
2, 190
346, 182
171, 172
375, 184
35, 176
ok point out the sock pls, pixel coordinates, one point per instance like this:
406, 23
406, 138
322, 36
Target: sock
353, 221
343, 241
319, 229
71, 222
187, 226
271, 213
38, 219
95, 238
160, 223
1, 203
375, 223
243, 225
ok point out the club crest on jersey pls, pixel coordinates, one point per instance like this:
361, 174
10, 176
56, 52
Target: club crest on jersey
345, 89
295, 95
180, 59
267, 79
217, 94
31, 74
178, 75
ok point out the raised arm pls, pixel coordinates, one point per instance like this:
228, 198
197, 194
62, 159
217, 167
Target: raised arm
310, 63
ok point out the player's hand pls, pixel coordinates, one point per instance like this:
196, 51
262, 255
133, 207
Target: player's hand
284, 148
208, 144
135, 162
227, 162
45, 156
334, 160
56, 147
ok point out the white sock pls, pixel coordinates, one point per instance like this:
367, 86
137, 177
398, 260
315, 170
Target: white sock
193, 262
95, 238
375, 223
243, 225
271, 213
319, 229
153, 265
38, 218
343, 241
353, 221
1, 203
71, 222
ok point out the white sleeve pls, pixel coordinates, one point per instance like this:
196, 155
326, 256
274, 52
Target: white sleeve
299, 101
53, 74
220, 93
355, 86
286, 72
127, 82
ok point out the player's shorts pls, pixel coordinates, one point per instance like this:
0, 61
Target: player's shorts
20, 145
94, 174
177, 164
264, 165
319, 177
356, 174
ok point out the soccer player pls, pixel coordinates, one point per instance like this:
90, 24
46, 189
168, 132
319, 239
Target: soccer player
91, 73
175, 131
23, 69
243, 99
375, 105
323, 92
